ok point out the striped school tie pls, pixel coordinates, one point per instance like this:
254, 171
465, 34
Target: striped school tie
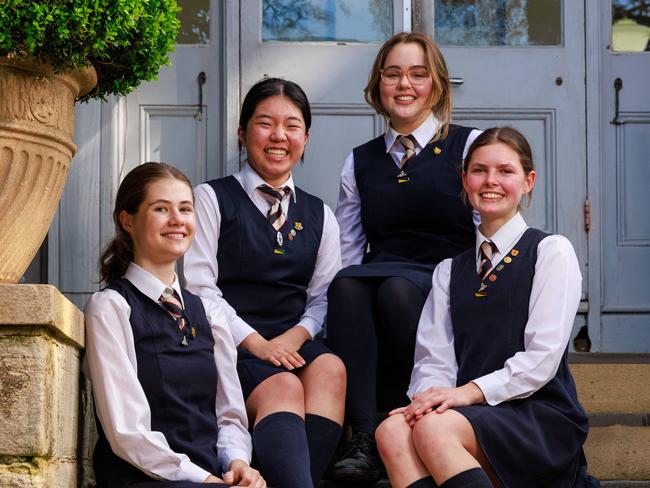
487, 250
275, 196
409, 146
172, 303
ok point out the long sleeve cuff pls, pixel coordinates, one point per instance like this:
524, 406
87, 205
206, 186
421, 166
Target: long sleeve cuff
311, 325
226, 458
240, 330
192, 472
494, 387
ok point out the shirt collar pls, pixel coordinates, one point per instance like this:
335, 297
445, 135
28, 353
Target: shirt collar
507, 235
423, 134
250, 180
148, 284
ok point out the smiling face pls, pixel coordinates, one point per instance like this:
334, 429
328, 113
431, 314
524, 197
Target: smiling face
163, 226
275, 138
407, 105
495, 183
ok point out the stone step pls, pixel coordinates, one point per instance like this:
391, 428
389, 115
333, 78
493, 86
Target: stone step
614, 390
386, 484
612, 383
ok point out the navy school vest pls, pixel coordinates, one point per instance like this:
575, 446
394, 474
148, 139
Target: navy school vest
423, 220
266, 283
180, 383
489, 329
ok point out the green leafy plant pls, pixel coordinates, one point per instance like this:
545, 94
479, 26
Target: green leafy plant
126, 41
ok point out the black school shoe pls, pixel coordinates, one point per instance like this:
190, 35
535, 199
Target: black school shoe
359, 461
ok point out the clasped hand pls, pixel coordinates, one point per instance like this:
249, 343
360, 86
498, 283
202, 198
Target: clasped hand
439, 399
240, 474
281, 351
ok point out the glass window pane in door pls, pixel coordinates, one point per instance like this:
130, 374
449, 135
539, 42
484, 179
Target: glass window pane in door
492, 22
631, 25
195, 22
327, 20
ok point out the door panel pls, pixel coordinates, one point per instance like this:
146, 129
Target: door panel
170, 119
626, 172
331, 61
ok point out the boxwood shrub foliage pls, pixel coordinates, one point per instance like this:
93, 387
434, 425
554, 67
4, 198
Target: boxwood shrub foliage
127, 41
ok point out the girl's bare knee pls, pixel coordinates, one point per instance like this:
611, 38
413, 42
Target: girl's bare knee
393, 437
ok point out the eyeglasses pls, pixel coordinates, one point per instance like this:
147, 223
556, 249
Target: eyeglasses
417, 75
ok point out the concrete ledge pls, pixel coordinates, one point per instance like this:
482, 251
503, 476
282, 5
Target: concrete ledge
41, 305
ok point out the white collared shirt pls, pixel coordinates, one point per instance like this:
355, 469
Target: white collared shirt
111, 364
552, 307
201, 270
348, 208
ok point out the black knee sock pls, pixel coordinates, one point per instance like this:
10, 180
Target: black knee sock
424, 483
398, 308
281, 450
472, 478
351, 335
323, 437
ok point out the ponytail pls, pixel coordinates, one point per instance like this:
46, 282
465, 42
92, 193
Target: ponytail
116, 257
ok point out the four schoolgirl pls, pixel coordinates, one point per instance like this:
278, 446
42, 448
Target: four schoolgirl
161, 360
493, 402
177, 377
265, 252
400, 213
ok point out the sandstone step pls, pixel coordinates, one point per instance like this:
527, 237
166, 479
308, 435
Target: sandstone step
612, 383
615, 391
386, 484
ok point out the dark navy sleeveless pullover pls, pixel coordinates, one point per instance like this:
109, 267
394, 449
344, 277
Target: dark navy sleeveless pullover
268, 290
423, 220
180, 383
489, 330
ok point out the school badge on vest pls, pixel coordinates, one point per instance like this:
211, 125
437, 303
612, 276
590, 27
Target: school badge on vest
493, 276
291, 235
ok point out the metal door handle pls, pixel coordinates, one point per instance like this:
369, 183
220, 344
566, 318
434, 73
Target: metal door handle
456, 81
618, 86
201, 79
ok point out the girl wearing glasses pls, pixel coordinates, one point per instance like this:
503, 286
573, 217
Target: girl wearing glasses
400, 214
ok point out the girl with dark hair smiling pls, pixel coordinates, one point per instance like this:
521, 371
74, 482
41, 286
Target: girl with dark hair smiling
266, 251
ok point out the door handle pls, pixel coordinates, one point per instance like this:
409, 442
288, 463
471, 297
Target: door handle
618, 86
456, 81
201, 80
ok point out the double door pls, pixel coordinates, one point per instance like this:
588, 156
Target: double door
547, 67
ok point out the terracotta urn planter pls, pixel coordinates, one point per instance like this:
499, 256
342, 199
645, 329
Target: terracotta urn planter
36, 129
